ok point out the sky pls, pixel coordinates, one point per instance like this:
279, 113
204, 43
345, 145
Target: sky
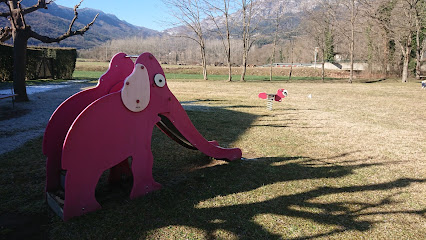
144, 13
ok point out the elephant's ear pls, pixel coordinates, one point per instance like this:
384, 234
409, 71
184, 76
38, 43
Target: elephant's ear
136, 90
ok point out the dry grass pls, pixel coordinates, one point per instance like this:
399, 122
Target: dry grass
370, 137
347, 163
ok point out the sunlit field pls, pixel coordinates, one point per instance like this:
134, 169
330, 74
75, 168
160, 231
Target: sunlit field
332, 161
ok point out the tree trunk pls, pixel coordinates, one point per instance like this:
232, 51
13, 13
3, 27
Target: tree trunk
246, 34
406, 61
20, 39
229, 71
386, 56
204, 67
405, 68
277, 26
228, 53
273, 57
292, 59
323, 67
228, 39
406, 58
243, 73
418, 49
204, 60
351, 75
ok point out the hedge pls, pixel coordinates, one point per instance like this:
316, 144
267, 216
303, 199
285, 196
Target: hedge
56, 63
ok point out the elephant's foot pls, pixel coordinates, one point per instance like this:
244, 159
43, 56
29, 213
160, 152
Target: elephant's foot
77, 208
80, 194
144, 187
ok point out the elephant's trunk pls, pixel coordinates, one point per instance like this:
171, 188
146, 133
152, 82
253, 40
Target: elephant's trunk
177, 125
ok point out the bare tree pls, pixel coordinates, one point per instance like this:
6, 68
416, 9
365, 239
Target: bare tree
277, 21
20, 32
318, 25
341, 20
404, 26
381, 12
420, 15
248, 29
222, 22
189, 13
401, 20
354, 11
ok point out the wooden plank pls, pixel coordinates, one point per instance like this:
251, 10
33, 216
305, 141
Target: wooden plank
3, 96
54, 205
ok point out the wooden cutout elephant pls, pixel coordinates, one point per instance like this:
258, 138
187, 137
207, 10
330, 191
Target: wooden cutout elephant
119, 125
61, 120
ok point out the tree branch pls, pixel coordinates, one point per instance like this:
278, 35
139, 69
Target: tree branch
4, 14
68, 34
189, 37
5, 34
76, 16
35, 7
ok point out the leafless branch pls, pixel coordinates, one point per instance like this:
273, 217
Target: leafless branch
75, 16
35, 7
188, 37
4, 14
68, 34
5, 34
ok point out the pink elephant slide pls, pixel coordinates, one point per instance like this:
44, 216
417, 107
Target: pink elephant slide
100, 128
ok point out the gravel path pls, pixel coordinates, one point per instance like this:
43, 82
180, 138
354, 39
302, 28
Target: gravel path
28, 120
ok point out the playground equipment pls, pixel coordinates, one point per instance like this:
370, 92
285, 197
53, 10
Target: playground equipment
281, 93
100, 128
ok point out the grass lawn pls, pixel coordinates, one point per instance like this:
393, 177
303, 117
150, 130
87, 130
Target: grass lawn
347, 163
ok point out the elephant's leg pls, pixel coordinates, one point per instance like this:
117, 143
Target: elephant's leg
53, 174
143, 182
80, 186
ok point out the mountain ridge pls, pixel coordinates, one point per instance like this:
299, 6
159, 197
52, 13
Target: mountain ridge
264, 13
55, 21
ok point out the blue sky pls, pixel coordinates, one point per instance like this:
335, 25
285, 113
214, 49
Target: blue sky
143, 13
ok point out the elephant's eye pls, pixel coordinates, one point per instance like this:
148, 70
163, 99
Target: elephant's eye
159, 80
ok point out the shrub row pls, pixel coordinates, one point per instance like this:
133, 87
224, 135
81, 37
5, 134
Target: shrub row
56, 63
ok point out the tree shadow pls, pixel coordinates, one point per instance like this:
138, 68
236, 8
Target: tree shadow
200, 200
9, 112
375, 80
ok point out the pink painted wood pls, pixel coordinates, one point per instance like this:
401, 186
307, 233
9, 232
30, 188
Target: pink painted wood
280, 94
60, 121
277, 97
106, 132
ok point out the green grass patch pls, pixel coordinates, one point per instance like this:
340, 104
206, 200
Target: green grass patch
94, 75
183, 76
89, 75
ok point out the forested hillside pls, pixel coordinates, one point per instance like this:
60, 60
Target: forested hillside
55, 20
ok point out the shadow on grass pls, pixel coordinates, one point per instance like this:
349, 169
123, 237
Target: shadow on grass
229, 197
9, 112
375, 80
